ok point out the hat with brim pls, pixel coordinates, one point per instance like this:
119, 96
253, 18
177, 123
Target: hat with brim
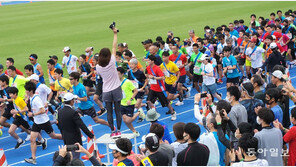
114, 147
69, 96
152, 115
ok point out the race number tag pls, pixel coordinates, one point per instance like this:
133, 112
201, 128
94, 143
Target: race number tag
135, 83
179, 63
230, 71
196, 69
166, 73
152, 81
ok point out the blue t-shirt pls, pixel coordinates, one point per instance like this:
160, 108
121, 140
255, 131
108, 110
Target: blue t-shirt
58, 66
253, 29
231, 61
166, 135
80, 91
278, 113
221, 147
234, 33
126, 162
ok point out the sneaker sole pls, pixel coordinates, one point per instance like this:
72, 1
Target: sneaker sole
45, 141
30, 162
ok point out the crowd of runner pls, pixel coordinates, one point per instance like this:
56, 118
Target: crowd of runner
253, 126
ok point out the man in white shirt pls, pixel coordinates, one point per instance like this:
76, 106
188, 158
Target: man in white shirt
41, 121
69, 60
254, 54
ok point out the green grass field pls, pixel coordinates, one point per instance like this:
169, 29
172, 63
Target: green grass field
45, 28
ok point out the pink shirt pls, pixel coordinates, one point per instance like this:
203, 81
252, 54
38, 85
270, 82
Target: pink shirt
109, 75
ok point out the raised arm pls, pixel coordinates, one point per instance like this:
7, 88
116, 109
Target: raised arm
114, 41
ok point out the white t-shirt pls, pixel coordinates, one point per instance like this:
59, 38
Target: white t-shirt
234, 38
207, 80
220, 48
178, 147
71, 65
257, 162
36, 105
256, 57
43, 91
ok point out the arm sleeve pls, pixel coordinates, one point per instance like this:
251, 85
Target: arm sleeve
232, 127
81, 124
197, 114
232, 117
58, 161
222, 137
289, 136
95, 162
179, 160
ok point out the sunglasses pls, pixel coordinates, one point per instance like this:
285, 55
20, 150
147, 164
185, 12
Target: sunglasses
71, 78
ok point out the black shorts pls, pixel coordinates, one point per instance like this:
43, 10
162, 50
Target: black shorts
90, 112
182, 79
170, 88
18, 121
99, 90
191, 68
197, 78
235, 81
217, 59
45, 126
291, 45
153, 95
6, 114
88, 83
140, 95
241, 61
127, 110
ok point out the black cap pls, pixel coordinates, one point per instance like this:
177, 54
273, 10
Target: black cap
147, 41
152, 141
54, 57
248, 86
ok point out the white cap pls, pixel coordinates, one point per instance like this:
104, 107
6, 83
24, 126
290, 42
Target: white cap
114, 147
34, 77
67, 48
204, 57
278, 74
69, 96
273, 45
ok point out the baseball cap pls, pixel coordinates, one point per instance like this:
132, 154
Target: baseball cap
34, 77
278, 74
273, 45
69, 96
204, 57
54, 57
66, 49
122, 44
151, 141
249, 88
33, 56
1, 66
253, 40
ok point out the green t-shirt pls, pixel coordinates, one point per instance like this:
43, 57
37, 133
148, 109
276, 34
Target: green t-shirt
127, 92
160, 52
197, 66
19, 82
171, 52
183, 50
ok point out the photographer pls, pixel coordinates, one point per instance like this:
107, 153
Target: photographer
63, 157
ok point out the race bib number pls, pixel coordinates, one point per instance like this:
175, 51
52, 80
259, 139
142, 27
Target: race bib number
14, 85
196, 69
83, 75
135, 83
179, 63
72, 68
166, 73
289, 35
230, 71
152, 81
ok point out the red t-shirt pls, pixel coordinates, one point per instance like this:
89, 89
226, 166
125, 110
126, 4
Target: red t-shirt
18, 72
290, 138
181, 60
157, 71
276, 34
239, 41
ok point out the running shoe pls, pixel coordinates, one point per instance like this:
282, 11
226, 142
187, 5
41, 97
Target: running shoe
19, 144
31, 160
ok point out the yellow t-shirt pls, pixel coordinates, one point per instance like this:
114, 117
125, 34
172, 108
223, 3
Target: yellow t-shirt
63, 85
172, 68
19, 104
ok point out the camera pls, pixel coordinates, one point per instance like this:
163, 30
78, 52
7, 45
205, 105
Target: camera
112, 26
203, 95
72, 147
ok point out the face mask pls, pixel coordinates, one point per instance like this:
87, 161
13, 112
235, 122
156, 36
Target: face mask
258, 120
228, 100
169, 36
268, 102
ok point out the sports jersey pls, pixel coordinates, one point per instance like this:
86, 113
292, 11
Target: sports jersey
154, 84
63, 85
70, 63
36, 71
169, 71
138, 78
256, 56
197, 65
19, 82
230, 61
80, 91
36, 105
43, 91
51, 78
127, 92
179, 60
19, 104
126, 162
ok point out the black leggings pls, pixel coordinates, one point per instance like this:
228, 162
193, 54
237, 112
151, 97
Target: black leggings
109, 108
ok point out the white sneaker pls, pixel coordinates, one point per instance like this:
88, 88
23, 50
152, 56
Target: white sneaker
83, 138
142, 114
179, 103
174, 116
137, 134
28, 138
156, 103
188, 93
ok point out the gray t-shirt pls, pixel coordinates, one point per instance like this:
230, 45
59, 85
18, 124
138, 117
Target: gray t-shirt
270, 142
168, 150
238, 114
178, 147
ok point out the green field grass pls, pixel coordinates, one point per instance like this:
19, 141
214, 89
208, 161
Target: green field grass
45, 28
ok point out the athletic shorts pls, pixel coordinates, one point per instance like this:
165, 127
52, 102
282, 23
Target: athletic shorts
248, 63
114, 95
140, 95
45, 126
90, 112
182, 79
127, 110
99, 90
241, 61
191, 68
212, 89
217, 59
6, 114
170, 88
88, 83
18, 121
197, 78
153, 95
235, 81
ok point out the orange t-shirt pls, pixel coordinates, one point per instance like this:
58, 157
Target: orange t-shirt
51, 78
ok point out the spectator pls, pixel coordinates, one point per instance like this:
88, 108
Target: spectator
180, 143
195, 154
269, 138
120, 150
257, 83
